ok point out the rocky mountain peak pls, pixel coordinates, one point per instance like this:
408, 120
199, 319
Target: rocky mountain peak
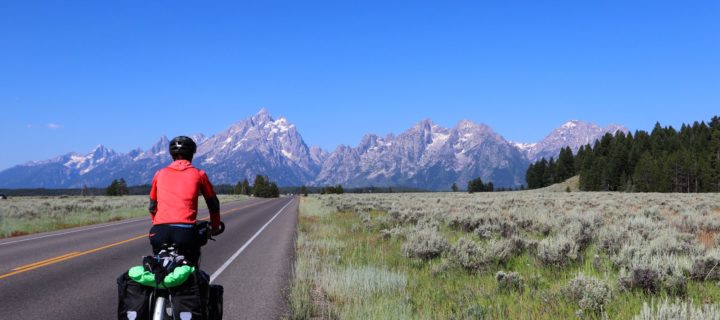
198, 138
570, 124
160, 147
100, 152
263, 116
573, 134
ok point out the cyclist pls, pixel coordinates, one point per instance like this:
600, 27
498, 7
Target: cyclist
174, 202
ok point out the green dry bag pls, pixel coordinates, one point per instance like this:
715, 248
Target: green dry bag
174, 279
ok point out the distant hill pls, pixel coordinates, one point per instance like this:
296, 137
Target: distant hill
573, 184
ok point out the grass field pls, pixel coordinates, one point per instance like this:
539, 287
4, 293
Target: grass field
26, 215
514, 255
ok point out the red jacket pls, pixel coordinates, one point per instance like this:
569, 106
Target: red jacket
174, 195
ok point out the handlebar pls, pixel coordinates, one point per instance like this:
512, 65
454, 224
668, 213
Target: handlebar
222, 228
207, 229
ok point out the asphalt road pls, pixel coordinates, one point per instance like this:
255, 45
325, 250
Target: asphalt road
71, 274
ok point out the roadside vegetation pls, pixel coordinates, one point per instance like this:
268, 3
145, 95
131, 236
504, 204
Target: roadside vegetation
511, 255
26, 215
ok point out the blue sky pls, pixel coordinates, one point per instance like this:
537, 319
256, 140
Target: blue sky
74, 74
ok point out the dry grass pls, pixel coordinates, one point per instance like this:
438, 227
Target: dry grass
26, 215
606, 237
707, 238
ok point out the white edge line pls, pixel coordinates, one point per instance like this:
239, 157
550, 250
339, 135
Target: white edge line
247, 243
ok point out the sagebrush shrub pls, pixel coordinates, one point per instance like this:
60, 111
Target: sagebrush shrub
487, 231
675, 285
643, 278
611, 239
581, 228
405, 216
670, 241
507, 229
428, 223
425, 244
468, 254
364, 217
503, 250
510, 281
591, 294
643, 225
707, 267
383, 222
557, 251
397, 232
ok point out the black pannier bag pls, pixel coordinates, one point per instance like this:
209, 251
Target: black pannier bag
189, 299
133, 299
215, 305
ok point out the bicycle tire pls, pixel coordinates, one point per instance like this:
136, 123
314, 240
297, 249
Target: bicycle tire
159, 309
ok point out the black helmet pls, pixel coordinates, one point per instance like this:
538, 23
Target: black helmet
183, 146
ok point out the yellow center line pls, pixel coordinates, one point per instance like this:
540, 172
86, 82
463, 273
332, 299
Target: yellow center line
65, 257
76, 254
45, 261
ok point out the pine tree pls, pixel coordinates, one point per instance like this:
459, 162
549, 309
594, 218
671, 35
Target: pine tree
540, 175
260, 187
111, 190
549, 174
714, 176
273, 190
565, 165
530, 176
122, 187
475, 185
304, 191
117, 188
245, 187
238, 188
454, 187
646, 171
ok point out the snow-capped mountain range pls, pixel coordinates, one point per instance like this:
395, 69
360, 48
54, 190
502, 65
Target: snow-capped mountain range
425, 156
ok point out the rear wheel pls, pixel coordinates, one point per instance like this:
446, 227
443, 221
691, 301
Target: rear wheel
159, 310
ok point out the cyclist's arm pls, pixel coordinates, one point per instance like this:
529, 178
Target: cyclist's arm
152, 207
213, 204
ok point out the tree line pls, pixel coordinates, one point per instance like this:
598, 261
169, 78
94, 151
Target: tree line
118, 187
663, 160
544, 173
262, 187
338, 189
477, 185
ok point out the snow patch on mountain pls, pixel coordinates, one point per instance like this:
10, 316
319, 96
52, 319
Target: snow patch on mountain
573, 134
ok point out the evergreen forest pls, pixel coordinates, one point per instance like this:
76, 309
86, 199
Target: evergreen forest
663, 160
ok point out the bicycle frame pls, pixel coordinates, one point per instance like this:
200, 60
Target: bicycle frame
160, 298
